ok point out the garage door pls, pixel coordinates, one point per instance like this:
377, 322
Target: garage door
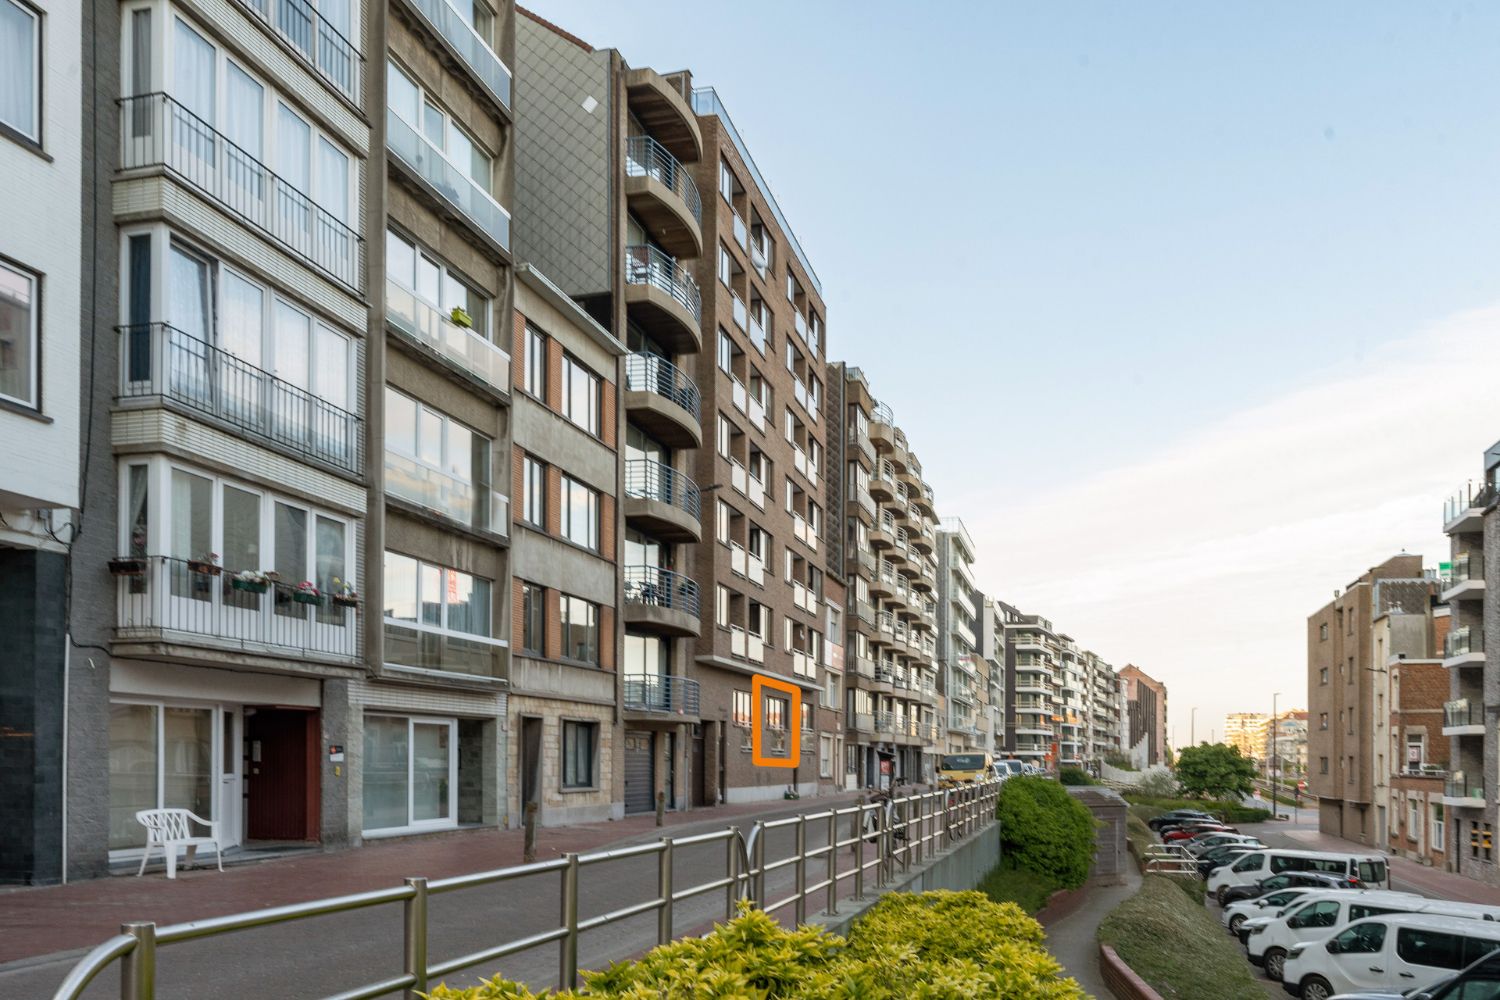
640, 773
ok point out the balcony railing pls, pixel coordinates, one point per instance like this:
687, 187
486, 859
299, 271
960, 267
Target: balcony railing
653, 373
882, 415
166, 599
460, 500
661, 588
1469, 566
319, 43
1465, 498
648, 480
661, 693
422, 647
488, 68
1462, 642
645, 157
1462, 712
157, 131
647, 265
430, 327
451, 181
1461, 786
158, 360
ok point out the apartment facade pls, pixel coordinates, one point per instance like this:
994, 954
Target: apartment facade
42, 315
962, 674
1416, 734
1247, 732
1033, 688
1287, 745
1102, 709
1145, 727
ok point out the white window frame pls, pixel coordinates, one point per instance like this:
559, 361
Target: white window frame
15, 128
34, 332
450, 125
442, 466
482, 327
412, 721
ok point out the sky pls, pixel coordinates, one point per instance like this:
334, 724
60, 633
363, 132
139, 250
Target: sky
1188, 309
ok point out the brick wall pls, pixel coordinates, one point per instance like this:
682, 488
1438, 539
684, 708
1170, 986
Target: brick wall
554, 624
554, 500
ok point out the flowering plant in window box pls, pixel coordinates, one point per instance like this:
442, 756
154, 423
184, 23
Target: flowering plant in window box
306, 593
208, 565
251, 581
128, 566
343, 594
461, 318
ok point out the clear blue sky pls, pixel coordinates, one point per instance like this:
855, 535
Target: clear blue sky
1130, 253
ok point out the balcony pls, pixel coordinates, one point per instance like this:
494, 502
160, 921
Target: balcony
661, 601
453, 499
1464, 647
466, 51
883, 429
320, 45
165, 600
1463, 791
1463, 512
447, 187
1462, 717
412, 646
883, 482
663, 111
663, 501
883, 531
661, 193
159, 361
157, 131
1467, 582
661, 695
663, 400
862, 723
434, 334
663, 298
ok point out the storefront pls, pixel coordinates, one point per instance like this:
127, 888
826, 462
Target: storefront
410, 774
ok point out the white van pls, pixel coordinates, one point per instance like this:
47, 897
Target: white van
1399, 952
1318, 915
1369, 870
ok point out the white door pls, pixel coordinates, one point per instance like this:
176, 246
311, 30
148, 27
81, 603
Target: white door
434, 773
231, 810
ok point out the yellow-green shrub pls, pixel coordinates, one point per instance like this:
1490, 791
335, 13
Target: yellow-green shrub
928, 946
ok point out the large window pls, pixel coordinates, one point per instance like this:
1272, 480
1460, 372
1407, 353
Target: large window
162, 756
19, 321
741, 709
440, 128
437, 618
578, 742
534, 492
433, 282
410, 773
433, 460
21, 69
580, 390
533, 637
580, 514
580, 629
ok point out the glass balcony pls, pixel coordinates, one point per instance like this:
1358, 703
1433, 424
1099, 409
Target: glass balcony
645, 157
456, 499
320, 44
1464, 786
158, 360
1462, 642
426, 325
1462, 712
488, 69
450, 183
422, 647
157, 131
661, 693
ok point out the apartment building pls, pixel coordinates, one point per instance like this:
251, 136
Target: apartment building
1068, 713
961, 676
1102, 709
1342, 658
1287, 748
1033, 690
1145, 726
1416, 730
883, 553
992, 652
1469, 797
41, 136
1247, 732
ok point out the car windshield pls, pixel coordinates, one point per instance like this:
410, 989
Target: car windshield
963, 762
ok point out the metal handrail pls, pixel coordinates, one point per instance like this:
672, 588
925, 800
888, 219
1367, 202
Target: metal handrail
882, 415
645, 157
1469, 566
648, 265
653, 373
650, 480
319, 43
662, 693
1462, 712
661, 588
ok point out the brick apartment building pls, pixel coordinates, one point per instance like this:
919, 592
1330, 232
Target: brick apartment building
1145, 717
1418, 751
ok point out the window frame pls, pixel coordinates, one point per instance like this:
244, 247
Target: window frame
14, 131
572, 728
443, 627
566, 606
593, 415
34, 318
566, 514
534, 481
534, 363
533, 603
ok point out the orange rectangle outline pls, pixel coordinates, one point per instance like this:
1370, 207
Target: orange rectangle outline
794, 723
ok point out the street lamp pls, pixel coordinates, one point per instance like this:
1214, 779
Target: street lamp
1275, 768
1193, 727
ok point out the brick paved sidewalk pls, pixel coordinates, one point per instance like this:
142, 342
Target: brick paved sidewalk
44, 920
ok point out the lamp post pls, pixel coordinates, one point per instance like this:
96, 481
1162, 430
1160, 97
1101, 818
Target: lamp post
1275, 769
1193, 727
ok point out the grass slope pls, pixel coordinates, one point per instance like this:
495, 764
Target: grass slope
1028, 890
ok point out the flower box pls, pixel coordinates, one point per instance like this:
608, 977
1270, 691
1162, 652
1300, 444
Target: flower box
128, 566
251, 586
345, 601
204, 567
304, 597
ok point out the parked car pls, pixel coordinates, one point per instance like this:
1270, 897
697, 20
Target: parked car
1367, 870
1287, 880
1010, 767
1235, 914
1221, 856
1189, 832
1177, 816
1205, 842
1321, 915
1395, 951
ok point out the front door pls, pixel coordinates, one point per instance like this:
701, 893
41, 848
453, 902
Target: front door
281, 795
640, 772
231, 802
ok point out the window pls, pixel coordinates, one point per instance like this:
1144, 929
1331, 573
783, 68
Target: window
578, 742
721, 521
423, 115
721, 605
1323, 676
534, 492
533, 619
580, 390
430, 280
580, 629
1322, 765
775, 713
726, 265
410, 773
726, 352
1323, 632
727, 183
1320, 914
1439, 830
1363, 939
825, 757
741, 709
807, 716
435, 598
20, 336
536, 363
421, 441
1322, 720
580, 514
1434, 949
21, 55
723, 435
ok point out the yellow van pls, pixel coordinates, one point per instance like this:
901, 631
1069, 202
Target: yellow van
965, 768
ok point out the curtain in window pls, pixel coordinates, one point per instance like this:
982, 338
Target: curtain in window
17, 334
193, 77
241, 544
191, 530
290, 547
332, 182
330, 566
18, 68
133, 760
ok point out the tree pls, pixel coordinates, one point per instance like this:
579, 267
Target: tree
1045, 830
1215, 771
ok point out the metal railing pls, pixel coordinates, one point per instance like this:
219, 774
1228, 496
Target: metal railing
645, 157
903, 832
158, 131
1462, 712
660, 588
452, 182
487, 67
320, 44
882, 415
1460, 786
1465, 498
662, 693
166, 599
1463, 641
649, 480
647, 265
159, 360
434, 330
653, 373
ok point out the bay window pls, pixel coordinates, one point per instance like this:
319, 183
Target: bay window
438, 619
423, 114
436, 462
419, 271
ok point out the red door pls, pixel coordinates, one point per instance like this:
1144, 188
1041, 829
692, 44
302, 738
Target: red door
281, 778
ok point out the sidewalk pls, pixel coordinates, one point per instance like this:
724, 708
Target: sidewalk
1072, 923
45, 920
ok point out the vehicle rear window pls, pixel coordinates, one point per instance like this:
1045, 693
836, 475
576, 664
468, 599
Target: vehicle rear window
1434, 949
1332, 866
1372, 871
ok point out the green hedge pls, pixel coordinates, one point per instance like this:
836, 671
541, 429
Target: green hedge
1075, 776
1201, 961
1008, 884
931, 946
1232, 812
1045, 830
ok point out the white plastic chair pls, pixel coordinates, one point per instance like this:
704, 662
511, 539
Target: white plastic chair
173, 828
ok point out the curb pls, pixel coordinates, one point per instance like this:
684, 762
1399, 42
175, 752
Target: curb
1121, 978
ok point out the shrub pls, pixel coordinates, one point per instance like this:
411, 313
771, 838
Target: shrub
1008, 884
1231, 812
1045, 830
1075, 776
1157, 782
1118, 760
1215, 770
936, 945
1201, 955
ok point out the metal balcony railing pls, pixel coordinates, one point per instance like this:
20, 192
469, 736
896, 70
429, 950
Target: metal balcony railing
487, 67
161, 361
882, 415
320, 44
1461, 786
1469, 566
649, 480
1466, 497
645, 157
1462, 712
646, 265
158, 131
653, 373
167, 599
662, 693
452, 182
661, 588
428, 326
1463, 641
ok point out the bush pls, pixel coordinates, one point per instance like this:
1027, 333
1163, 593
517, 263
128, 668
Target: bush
1045, 830
1201, 956
1231, 812
1215, 770
1075, 776
1120, 761
1157, 782
949, 945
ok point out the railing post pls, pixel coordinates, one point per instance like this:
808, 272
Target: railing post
567, 972
414, 938
758, 865
664, 890
801, 906
138, 966
858, 833
833, 861
528, 851
732, 872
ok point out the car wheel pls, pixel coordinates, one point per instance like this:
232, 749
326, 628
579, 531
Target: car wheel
1220, 893
1235, 922
1316, 988
1275, 963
